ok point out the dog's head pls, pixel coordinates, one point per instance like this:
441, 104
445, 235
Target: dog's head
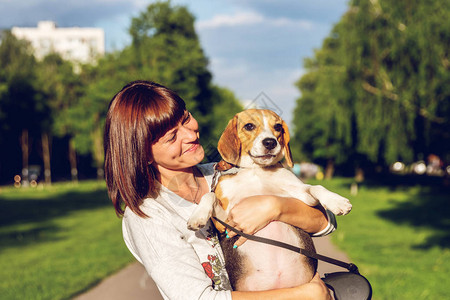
255, 136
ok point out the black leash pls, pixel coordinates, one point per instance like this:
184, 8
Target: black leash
349, 266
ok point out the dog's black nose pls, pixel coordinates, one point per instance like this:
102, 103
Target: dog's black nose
269, 143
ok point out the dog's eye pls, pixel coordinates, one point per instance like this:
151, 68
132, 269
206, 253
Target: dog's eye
278, 127
249, 126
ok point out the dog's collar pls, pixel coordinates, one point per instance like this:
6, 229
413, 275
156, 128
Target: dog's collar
220, 169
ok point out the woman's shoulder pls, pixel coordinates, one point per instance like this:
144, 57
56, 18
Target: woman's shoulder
150, 207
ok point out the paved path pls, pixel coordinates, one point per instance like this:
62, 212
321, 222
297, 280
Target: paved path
133, 283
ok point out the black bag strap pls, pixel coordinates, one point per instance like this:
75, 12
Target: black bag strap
349, 266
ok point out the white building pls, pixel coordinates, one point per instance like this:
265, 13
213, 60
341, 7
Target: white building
83, 45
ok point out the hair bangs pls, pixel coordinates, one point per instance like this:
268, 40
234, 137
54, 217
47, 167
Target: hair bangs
166, 112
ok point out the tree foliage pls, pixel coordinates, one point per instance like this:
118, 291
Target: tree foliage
18, 87
54, 98
23, 109
377, 91
166, 49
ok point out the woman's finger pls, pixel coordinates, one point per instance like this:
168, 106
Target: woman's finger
239, 242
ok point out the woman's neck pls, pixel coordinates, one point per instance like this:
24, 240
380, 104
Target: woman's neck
185, 183
173, 178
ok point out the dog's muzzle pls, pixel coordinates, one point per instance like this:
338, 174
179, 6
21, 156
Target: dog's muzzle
269, 143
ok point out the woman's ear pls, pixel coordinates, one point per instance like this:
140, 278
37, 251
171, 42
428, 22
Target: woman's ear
287, 149
229, 145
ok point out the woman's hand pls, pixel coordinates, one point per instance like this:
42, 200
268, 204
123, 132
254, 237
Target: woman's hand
315, 289
253, 213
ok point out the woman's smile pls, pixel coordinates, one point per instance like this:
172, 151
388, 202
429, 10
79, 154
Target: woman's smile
193, 148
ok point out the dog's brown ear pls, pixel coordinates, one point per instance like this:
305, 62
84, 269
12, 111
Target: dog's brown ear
229, 145
287, 149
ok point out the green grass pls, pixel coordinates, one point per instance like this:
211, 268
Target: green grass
57, 241
398, 237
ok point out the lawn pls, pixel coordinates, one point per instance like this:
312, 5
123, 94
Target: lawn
57, 241
399, 237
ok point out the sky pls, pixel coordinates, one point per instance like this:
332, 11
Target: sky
255, 48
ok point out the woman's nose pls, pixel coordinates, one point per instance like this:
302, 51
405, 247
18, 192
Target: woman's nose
189, 133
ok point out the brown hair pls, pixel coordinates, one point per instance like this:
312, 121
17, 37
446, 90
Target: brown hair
138, 115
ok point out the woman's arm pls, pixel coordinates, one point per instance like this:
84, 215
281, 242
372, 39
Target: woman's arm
301, 215
255, 212
314, 290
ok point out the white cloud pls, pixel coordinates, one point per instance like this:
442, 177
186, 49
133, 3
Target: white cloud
250, 18
245, 18
304, 24
230, 68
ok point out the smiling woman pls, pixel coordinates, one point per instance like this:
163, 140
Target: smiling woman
155, 181
138, 116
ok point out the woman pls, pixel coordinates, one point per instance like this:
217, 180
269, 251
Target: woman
152, 156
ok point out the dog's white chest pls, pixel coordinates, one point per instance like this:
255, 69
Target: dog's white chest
250, 182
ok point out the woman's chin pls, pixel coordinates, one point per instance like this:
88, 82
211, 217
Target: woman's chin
197, 155
200, 154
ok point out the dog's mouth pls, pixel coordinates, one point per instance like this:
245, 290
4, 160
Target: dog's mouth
265, 156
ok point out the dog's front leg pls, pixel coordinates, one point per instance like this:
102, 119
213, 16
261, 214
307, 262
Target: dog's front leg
314, 194
294, 187
202, 212
331, 201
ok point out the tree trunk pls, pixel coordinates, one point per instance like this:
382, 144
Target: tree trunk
359, 174
329, 170
25, 154
73, 161
46, 156
98, 153
354, 189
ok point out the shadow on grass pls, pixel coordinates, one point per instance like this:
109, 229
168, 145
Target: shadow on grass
26, 237
395, 181
430, 208
30, 219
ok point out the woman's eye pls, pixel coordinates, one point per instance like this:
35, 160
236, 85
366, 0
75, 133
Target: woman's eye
172, 138
249, 126
187, 118
278, 127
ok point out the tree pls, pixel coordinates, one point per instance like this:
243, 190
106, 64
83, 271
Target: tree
61, 88
22, 107
225, 108
390, 96
166, 49
87, 117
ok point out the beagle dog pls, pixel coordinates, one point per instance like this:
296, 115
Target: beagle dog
254, 142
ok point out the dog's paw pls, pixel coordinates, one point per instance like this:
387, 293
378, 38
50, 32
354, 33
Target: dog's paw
196, 224
337, 204
198, 219
331, 201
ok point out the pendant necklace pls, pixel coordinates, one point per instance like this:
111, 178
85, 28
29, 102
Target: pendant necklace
197, 185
